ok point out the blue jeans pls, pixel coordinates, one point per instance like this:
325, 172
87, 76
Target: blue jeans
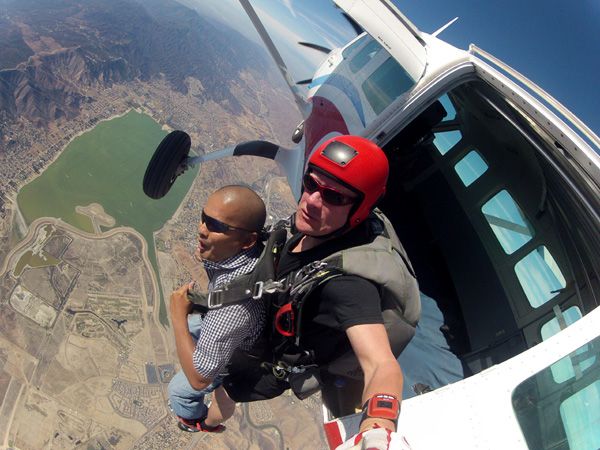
186, 401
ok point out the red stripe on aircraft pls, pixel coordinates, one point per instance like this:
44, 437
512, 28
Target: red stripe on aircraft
332, 433
323, 119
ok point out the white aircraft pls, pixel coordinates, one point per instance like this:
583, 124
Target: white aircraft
495, 192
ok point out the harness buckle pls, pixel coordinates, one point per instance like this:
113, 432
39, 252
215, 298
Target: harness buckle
304, 277
315, 266
214, 299
257, 290
271, 287
280, 370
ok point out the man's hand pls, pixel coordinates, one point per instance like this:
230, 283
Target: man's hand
180, 305
375, 439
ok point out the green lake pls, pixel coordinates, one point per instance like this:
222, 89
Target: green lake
106, 165
31, 260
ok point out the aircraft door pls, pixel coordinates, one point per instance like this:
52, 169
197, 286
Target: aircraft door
519, 271
517, 211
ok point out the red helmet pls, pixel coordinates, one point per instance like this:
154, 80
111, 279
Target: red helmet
358, 164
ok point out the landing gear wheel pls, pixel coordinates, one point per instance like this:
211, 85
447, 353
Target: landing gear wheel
166, 164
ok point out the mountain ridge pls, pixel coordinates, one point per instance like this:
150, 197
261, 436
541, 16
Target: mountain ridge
110, 41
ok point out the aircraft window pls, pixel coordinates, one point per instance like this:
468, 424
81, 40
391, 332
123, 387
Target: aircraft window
446, 140
348, 51
561, 416
471, 167
449, 107
579, 413
386, 84
507, 221
540, 277
363, 57
563, 370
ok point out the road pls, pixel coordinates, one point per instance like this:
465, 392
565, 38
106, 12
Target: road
246, 411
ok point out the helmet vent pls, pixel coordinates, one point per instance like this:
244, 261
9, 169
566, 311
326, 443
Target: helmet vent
339, 153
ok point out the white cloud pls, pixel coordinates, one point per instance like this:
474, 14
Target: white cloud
287, 24
335, 32
228, 12
286, 39
288, 5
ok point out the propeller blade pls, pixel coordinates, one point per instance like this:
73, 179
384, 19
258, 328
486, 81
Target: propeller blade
316, 47
357, 28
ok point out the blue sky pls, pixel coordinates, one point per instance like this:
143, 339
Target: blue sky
554, 43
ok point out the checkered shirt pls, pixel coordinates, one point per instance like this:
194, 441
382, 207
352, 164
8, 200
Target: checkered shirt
231, 327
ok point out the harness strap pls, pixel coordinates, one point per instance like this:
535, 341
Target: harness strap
217, 298
228, 295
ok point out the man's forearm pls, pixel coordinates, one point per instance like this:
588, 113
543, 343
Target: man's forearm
387, 379
381, 370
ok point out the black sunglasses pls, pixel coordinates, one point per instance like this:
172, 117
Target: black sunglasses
328, 194
217, 226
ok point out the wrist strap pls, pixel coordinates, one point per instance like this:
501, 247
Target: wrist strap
382, 406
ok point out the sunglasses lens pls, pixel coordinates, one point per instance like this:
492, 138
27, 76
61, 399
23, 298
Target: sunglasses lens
334, 198
310, 185
329, 195
213, 224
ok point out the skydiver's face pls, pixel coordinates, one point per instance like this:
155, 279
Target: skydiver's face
314, 216
219, 245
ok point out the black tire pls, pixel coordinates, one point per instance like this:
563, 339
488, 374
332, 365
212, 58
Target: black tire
161, 171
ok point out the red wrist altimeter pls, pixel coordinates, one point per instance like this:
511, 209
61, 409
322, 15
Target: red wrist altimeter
382, 406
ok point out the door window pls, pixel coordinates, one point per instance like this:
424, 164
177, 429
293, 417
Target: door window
470, 167
507, 221
566, 368
540, 277
386, 84
446, 140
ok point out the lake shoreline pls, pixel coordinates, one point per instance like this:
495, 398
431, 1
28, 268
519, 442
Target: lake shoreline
64, 147
106, 166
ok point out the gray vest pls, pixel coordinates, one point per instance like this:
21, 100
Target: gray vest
384, 262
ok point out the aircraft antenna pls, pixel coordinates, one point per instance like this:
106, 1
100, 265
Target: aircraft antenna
439, 30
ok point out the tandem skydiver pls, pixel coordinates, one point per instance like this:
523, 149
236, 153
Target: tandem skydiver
344, 301
229, 246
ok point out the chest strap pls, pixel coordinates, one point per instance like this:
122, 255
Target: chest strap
237, 293
246, 287
249, 286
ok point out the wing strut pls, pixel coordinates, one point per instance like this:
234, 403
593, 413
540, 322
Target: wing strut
300, 101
